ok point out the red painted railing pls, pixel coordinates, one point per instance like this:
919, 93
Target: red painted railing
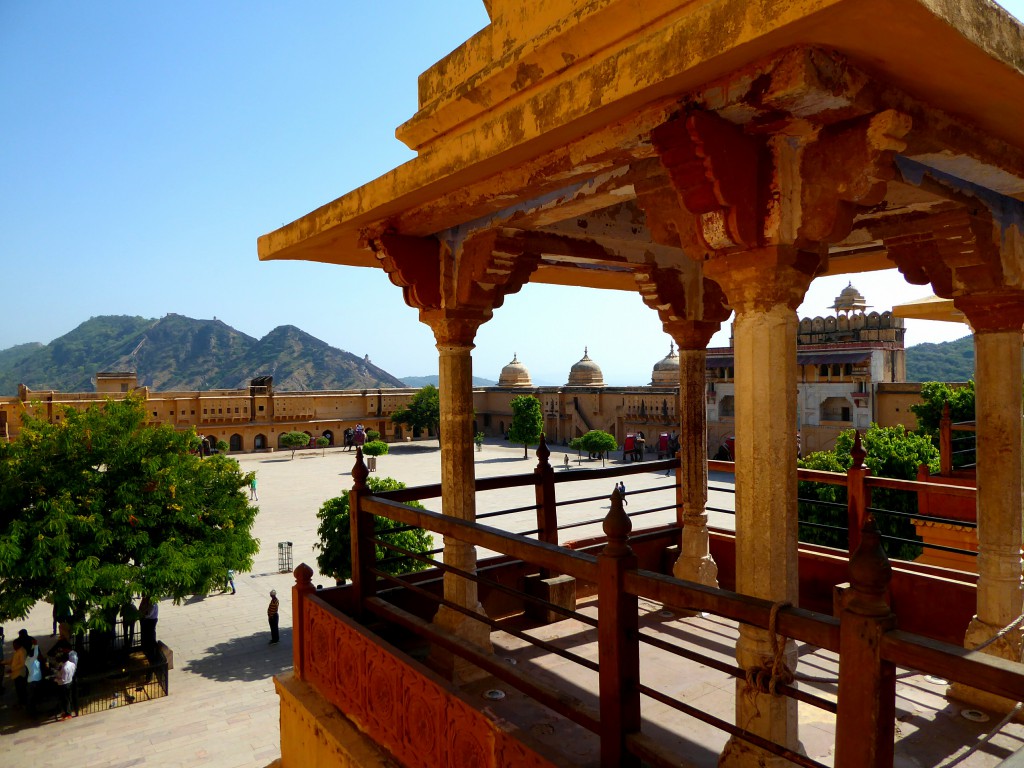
863, 635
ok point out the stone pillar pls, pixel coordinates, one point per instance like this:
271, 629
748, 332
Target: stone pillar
764, 289
695, 562
997, 323
458, 496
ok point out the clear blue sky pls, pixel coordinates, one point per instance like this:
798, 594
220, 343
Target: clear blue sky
147, 145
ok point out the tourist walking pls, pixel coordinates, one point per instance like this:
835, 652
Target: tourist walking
622, 492
272, 617
252, 489
231, 579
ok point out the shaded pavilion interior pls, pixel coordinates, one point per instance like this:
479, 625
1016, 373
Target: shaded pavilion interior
716, 157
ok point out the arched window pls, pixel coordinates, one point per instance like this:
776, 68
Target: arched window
329, 435
259, 443
235, 442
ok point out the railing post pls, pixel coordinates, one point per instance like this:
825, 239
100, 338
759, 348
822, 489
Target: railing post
945, 442
857, 494
547, 515
866, 717
303, 586
618, 642
364, 583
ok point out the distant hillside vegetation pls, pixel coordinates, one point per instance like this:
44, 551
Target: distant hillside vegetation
422, 381
948, 361
178, 352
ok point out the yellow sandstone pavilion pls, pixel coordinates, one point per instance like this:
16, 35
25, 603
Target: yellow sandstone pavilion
715, 156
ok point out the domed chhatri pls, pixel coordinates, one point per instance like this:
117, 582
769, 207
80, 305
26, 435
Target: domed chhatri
849, 300
514, 375
585, 373
666, 370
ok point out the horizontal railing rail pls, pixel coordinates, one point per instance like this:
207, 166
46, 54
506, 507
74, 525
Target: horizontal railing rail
621, 584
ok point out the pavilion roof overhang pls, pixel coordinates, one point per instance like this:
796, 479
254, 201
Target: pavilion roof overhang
500, 150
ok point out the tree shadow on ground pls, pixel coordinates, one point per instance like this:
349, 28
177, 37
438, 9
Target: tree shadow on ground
503, 460
274, 461
246, 658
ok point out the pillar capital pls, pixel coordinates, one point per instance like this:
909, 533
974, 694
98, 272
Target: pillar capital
456, 286
799, 183
692, 308
993, 311
759, 279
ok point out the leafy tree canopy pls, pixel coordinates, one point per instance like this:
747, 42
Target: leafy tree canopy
98, 507
335, 545
527, 421
594, 442
934, 395
890, 452
423, 412
294, 440
375, 448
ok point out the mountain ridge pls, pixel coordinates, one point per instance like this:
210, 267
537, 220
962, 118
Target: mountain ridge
177, 352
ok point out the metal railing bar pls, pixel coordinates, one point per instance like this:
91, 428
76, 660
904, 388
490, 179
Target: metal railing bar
732, 730
567, 612
568, 655
558, 701
513, 510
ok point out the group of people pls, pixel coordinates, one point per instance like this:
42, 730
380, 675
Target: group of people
30, 672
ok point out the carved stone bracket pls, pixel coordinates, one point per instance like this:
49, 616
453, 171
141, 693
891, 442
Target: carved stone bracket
848, 166
692, 309
956, 251
456, 293
800, 184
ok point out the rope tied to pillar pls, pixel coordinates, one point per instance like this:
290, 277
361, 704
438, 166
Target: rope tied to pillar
1001, 633
772, 671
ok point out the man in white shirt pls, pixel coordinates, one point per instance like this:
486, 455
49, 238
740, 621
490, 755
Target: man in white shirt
64, 678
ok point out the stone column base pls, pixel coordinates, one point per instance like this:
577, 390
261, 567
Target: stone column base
1007, 647
559, 590
449, 665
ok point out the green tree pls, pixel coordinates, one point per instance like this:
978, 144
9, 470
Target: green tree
527, 421
596, 442
322, 443
372, 434
99, 507
335, 545
934, 396
222, 446
294, 440
890, 452
375, 448
423, 411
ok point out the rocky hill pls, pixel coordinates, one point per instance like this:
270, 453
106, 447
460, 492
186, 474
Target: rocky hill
177, 352
947, 361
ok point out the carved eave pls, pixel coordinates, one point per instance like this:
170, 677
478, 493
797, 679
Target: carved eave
513, 136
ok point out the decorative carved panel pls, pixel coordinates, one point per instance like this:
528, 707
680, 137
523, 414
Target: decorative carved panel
416, 718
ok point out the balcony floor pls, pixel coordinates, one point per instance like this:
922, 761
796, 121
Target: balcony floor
930, 729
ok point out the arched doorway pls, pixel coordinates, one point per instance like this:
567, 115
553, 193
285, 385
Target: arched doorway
259, 443
329, 435
235, 442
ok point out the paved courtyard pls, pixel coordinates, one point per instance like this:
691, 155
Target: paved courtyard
222, 710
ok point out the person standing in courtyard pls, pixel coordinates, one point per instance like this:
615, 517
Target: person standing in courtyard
272, 617
149, 614
252, 489
64, 679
